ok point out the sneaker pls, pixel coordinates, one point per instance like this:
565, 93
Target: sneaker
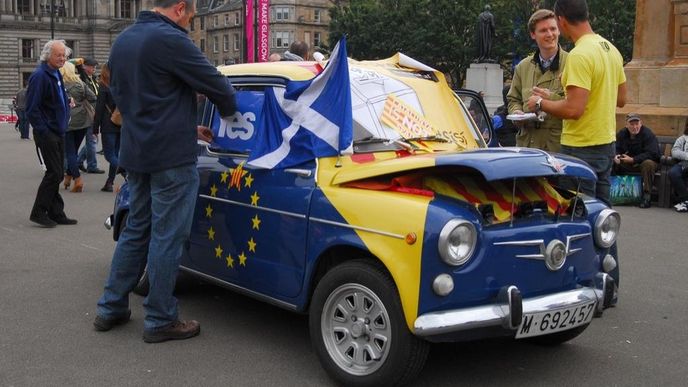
104, 324
645, 203
682, 206
178, 330
43, 220
97, 170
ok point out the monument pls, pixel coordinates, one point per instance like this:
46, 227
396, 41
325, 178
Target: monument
485, 74
657, 77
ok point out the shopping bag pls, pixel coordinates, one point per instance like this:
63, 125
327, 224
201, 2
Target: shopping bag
626, 189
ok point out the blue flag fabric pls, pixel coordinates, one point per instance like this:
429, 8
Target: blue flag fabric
307, 119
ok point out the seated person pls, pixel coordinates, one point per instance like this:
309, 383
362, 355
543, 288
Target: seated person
678, 174
637, 150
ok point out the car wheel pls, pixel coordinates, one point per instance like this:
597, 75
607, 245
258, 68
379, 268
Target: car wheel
559, 337
358, 329
142, 285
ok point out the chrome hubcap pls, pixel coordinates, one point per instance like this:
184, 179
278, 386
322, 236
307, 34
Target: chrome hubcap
356, 329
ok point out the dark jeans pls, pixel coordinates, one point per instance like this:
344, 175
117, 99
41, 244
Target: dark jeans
73, 140
23, 123
48, 200
678, 175
111, 152
600, 158
88, 152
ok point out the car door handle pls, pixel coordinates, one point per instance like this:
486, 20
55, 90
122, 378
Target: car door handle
299, 172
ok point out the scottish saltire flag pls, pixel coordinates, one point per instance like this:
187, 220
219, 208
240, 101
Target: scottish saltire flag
307, 119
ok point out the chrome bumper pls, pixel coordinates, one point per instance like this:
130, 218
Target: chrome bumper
509, 309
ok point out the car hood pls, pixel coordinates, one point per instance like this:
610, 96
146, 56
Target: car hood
492, 163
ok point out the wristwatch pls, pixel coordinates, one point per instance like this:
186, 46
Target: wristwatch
538, 104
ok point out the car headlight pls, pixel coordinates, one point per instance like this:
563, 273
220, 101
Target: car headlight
607, 228
457, 241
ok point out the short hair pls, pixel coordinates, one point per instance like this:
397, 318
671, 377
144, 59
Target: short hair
48, 49
69, 74
538, 16
575, 11
169, 3
299, 48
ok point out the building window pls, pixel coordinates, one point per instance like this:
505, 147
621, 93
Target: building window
72, 44
203, 45
236, 42
215, 21
58, 7
225, 43
316, 39
237, 18
226, 19
216, 44
193, 24
24, 7
281, 39
316, 15
202, 23
281, 13
28, 50
126, 9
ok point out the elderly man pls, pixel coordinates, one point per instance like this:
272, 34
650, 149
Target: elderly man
87, 72
47, 109
637, 150
156, 71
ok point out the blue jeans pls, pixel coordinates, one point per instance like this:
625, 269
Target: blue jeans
161, 206
73, 139
111, 152
88, 152
601, 159
678, 176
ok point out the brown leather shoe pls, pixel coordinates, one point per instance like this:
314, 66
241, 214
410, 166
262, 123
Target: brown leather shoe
178, 330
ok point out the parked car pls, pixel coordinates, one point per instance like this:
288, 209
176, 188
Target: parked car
405, 242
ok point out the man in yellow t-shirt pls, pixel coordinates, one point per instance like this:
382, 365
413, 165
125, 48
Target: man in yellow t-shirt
595, 85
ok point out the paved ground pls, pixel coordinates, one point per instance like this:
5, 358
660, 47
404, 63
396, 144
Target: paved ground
50, 280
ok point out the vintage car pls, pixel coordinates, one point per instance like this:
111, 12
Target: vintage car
406, 241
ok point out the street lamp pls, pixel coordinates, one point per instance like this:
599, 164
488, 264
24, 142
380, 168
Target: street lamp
51, 8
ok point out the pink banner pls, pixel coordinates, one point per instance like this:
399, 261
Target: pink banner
263, 30
248, 32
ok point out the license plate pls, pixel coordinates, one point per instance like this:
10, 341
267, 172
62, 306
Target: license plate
544, 323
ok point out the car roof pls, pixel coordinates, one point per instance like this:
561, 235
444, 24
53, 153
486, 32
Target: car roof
294, 71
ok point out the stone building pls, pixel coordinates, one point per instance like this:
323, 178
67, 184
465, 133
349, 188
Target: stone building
90, 27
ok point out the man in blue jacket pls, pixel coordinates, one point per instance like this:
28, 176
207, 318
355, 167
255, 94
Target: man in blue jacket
47, 108
637, 150
155, 72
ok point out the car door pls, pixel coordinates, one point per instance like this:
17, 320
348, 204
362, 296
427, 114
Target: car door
250, 224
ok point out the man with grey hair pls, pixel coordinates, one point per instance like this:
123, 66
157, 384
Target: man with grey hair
47, 108
156, 71
298, 51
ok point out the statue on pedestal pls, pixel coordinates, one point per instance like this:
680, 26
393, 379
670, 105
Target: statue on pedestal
486, 31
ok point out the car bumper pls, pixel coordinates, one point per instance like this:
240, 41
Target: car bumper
509, 309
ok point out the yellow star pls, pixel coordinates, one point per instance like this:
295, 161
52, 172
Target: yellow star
213, 190
252, 245
254, 199
256, 222
209, 211
223, 177
242, 259
248, 181
218, 251
211, 233
230, 261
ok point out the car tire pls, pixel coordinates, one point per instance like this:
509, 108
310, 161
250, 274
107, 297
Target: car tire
142, 284
358, 329
559, 337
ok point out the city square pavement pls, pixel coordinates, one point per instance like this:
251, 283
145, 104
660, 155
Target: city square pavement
50, 280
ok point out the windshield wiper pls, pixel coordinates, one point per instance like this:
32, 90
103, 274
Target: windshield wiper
372, 140
427, 138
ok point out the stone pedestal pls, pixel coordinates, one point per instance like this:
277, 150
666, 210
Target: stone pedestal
657, 77
487, 77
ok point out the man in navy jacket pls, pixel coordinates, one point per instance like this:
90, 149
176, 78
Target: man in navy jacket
47, 108
156, 71
637, 150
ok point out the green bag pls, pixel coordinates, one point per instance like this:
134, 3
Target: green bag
626, 189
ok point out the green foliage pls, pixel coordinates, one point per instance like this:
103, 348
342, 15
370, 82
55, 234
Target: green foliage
442, 33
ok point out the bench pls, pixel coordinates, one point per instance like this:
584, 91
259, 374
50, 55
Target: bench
662, 184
